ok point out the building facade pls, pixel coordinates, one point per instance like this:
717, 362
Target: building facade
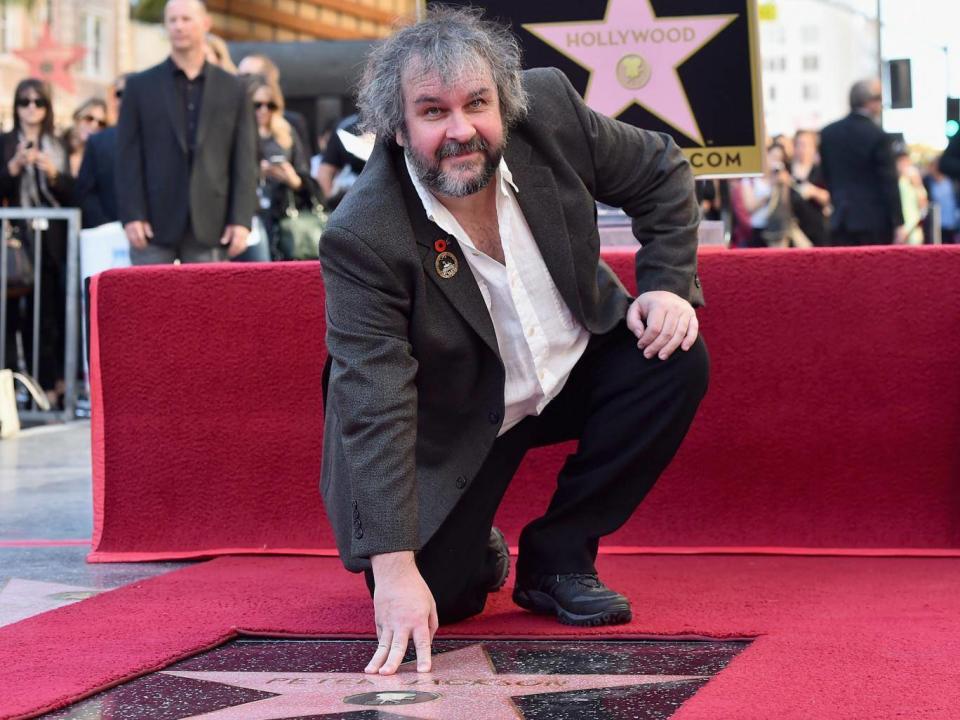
812, 51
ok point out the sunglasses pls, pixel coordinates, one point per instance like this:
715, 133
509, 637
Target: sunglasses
27, 102
92, 119
271, 106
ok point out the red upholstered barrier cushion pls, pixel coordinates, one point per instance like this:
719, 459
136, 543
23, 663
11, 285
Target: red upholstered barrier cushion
832, 420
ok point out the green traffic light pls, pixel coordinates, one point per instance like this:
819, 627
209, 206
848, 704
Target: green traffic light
953, 127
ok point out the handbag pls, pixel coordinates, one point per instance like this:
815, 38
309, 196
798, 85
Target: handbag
299, 230
17, 264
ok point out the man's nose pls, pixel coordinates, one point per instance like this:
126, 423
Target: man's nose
460, 128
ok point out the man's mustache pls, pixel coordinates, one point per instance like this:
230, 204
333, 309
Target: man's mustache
452, 148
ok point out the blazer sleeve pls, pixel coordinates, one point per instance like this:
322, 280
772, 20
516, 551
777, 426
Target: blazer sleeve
950, 160
645, 173
129, 170
244, 166
886, 170
372, 389
87, 191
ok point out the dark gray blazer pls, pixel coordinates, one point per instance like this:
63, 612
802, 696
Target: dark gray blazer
155, 181
415, 394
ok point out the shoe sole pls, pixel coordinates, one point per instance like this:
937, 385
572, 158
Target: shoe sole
502, 579
543, 604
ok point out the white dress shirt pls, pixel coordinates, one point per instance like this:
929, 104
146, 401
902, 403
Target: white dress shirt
539, 339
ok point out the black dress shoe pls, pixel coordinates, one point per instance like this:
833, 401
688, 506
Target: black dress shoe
498, 560
576, 599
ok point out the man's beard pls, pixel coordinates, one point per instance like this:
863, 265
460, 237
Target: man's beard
435, 179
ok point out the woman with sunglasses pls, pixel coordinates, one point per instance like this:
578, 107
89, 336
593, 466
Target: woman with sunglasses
88, 119
34, 173
284, 166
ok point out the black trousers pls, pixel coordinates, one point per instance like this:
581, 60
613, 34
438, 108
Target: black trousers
628, 413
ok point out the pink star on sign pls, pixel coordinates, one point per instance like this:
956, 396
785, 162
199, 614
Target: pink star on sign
50, 61
633, 56
463, 683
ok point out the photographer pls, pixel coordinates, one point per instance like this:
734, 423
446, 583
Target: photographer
34, 173
768, 201
284, 165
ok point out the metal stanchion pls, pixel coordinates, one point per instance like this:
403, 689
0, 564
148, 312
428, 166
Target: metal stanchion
39, 219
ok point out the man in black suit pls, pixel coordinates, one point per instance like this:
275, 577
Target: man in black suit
469, 318
186, 152
860, 172
95, 189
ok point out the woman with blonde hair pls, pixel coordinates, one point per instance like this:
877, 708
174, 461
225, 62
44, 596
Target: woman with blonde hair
284, 166
218, 54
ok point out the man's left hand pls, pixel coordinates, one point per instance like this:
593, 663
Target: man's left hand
662, 322
235, 236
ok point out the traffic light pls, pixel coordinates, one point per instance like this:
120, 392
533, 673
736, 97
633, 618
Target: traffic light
953, 116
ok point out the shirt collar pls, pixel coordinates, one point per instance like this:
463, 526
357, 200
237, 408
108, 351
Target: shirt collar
503, 178
177, 70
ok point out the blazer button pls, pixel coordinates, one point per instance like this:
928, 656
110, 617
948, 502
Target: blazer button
696, 280
461, 482
358, 533
494, 417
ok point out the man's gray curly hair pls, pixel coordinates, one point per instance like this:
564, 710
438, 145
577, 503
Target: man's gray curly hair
450, 42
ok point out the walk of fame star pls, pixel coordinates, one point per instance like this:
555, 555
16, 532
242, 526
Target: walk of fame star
633, 57
460, 679
50, 61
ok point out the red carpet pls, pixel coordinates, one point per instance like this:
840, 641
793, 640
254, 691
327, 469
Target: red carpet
838, 638
831, 421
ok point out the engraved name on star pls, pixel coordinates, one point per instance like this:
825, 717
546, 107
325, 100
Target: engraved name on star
633, 57
461, 679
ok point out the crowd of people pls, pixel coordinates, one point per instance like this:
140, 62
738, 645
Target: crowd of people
849, 184
245, 163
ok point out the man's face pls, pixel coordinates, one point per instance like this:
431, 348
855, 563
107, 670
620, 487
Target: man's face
187, 24
454, 133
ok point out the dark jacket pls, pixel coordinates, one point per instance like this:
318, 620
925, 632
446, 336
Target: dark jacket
950, 160
415, 394
61, 189
155, 178
95, 189
860, 172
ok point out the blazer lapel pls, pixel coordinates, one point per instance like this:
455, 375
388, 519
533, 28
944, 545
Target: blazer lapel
461, 290
539, 199
207, 102
174, 104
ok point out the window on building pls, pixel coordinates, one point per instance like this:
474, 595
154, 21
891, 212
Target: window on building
810, 92
92, 34
811, 62
772, 93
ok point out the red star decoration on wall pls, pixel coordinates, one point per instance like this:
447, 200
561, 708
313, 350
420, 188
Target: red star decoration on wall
49, 60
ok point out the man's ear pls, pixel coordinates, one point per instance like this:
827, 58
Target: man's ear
398, 136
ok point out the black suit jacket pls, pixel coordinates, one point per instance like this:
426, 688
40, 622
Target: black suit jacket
861, 175
95, 189
155, 179
950, 160
414, 400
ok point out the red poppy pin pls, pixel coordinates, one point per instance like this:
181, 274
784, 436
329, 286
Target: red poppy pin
440, 245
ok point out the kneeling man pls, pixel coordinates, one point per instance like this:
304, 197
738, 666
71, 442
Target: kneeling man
469, 318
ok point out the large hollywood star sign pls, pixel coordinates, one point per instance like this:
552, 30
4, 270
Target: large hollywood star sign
685, 67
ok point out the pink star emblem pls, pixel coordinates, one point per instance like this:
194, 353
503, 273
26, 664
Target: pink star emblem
50, 61
462, 680
633, 57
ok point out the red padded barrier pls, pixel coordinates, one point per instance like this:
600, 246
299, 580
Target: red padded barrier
832, 419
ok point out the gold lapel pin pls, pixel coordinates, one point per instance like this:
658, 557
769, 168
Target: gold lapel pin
446, 263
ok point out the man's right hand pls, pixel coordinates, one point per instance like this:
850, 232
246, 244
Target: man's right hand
403, 608
139, 233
